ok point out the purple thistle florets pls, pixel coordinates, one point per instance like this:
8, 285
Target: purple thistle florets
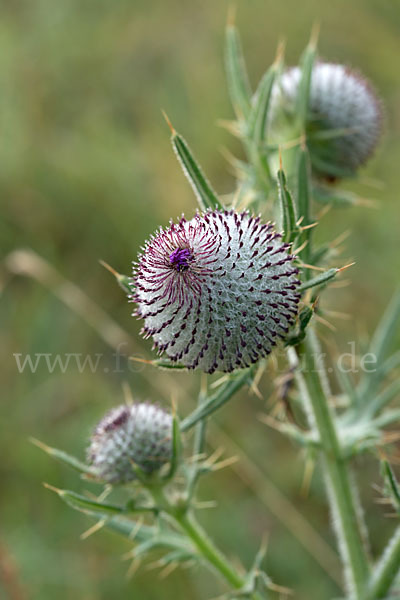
216, 292
127, 437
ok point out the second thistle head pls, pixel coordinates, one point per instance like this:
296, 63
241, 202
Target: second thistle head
344, 119
128, 437
216, 292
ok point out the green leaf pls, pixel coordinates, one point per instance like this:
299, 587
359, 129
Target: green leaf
63, 457
288, 213
319, 280
257, 122
393, 483
303, 97
205, 195
176, 447
238, 81
85, 504
225, 393
387, 328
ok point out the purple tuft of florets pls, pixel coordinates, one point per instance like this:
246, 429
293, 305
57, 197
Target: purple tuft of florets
216, 292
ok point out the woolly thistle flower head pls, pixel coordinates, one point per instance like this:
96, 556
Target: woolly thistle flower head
344, 120
126, 436
216, 292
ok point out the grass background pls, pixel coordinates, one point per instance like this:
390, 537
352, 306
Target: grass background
87, 172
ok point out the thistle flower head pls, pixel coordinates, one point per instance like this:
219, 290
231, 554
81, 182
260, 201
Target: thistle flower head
344, 120
216, 292
126, 436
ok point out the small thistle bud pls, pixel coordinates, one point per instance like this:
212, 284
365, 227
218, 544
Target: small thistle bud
216, 292
344, 121
128, 436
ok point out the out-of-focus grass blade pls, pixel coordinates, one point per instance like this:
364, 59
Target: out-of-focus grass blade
288, 214
318, 280
63, 457
86, 504
238, 81
307, 64
205, 194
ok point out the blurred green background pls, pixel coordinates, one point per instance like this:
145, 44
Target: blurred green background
87, 172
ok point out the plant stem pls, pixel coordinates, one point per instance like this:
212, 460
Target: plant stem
346, 519
209, 551
386, 570
206, 547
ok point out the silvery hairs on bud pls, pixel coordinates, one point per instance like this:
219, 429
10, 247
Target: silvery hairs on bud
345, 116
128, 436
216, 292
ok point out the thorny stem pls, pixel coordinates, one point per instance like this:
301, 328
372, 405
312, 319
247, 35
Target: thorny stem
206, 547
341, 498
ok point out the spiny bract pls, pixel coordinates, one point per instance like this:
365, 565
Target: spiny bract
344, 120
139, 434
216, 292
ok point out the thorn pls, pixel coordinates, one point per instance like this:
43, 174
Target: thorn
345, 267
313, 267
127, 393
337, 315
225, 463
314, 35
106, 492
231, 16
96, 527
212, 459
341, 238
280, 51
300, 220
280, 159
109, 268
173, 132
168, 569
307, 478
52, 488
141, 360
325, 322
133, 568
324, 211
173, 406
40, 445
300, 248
310, 226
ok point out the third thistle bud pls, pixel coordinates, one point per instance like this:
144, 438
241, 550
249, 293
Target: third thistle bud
344, 117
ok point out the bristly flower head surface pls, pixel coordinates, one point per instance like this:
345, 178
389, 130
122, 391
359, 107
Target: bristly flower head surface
344, 121
128, 436
216, 292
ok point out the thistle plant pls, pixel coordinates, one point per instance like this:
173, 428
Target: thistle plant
224, 288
